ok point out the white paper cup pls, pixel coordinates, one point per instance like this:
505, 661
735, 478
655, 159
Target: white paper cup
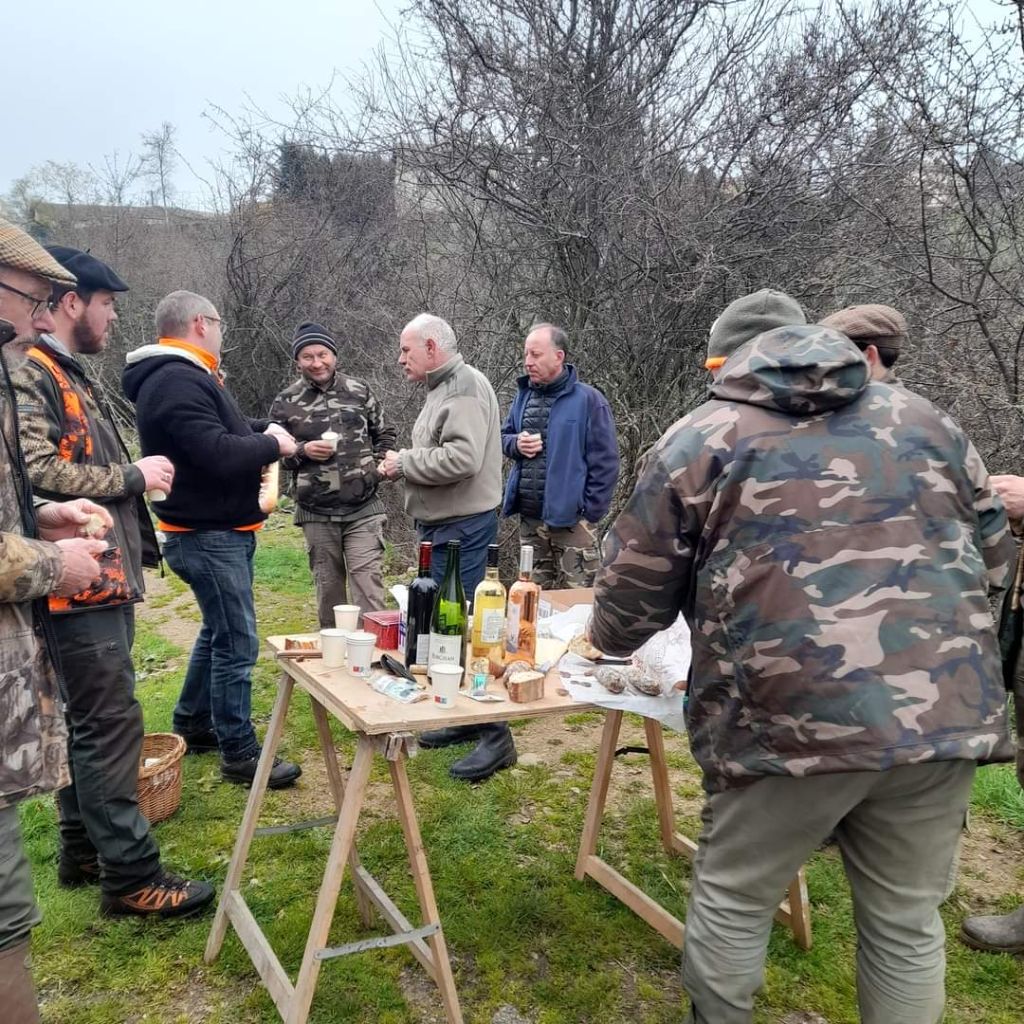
360, 653
445, 681
156, 495
332, 647
346, 616
331, 437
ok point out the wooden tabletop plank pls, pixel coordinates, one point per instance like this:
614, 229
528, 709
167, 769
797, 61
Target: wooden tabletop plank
362, 709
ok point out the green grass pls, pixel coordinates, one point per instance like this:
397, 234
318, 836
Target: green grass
521, 929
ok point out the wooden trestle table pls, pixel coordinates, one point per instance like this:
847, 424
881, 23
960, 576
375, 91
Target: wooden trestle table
386, 728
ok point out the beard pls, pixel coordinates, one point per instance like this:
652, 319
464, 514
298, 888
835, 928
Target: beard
85, 339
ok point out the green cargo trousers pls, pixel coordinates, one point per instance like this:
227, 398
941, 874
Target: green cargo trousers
898, 832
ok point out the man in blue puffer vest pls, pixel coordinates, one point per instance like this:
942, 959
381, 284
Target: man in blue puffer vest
560, 436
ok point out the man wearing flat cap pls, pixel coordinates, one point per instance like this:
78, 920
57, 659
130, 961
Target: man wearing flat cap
880, 332
43, 550
73, 450
336, 501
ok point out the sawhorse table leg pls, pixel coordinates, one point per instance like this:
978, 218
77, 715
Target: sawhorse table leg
426, 943
794, 911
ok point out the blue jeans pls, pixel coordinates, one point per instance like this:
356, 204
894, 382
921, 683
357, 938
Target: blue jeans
474, 533
217, 692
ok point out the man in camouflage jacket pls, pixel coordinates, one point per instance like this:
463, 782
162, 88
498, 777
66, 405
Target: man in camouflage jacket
336, 501
833, 544
33, 740
73, 450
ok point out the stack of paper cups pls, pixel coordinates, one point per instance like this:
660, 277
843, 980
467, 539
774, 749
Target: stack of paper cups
360, 653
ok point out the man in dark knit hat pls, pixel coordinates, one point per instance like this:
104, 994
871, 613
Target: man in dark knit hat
880, 332
342, 434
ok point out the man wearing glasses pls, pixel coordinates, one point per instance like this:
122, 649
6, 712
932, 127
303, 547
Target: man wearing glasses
210, 520
73, 450
33, 739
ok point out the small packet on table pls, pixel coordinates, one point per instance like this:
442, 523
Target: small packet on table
398, 689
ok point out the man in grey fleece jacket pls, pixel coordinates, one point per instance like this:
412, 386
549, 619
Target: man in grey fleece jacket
452, 477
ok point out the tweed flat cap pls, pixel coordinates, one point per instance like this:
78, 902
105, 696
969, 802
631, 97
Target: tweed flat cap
877, 325
93, 274
21, 251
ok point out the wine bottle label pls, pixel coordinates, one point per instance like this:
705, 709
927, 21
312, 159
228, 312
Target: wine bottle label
423, 649
445, 649
512, 629
491, 622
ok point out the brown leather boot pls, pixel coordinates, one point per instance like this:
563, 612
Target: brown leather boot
17, 992
998, 933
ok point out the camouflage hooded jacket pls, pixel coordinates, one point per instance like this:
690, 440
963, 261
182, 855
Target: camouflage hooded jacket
33, 738
347, 482
833, 544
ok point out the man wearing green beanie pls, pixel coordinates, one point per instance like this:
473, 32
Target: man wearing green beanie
744, 319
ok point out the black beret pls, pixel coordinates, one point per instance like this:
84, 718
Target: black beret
93, 274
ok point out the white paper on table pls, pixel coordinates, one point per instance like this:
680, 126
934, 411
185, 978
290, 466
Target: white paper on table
565, 625
400, 592
667, 709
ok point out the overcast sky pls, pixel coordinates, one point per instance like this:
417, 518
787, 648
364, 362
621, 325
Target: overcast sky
87, 79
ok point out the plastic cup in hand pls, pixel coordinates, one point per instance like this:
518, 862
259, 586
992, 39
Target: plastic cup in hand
360, 653
445, 681
346, 616
333, 643
156, 495
332, 438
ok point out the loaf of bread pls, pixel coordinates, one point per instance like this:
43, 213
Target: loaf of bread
269, 483
580, 645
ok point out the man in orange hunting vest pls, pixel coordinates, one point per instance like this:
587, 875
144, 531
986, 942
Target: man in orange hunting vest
73, 450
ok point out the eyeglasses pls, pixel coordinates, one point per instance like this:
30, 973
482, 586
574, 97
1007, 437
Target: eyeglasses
216, 320
49, 302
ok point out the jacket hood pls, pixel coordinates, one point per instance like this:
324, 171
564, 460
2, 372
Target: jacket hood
141, 362
800, 370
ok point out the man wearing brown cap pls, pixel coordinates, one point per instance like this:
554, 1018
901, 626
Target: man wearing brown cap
73, 450
43, 550
880, 332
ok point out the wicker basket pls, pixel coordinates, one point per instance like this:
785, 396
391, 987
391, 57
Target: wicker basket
160, 783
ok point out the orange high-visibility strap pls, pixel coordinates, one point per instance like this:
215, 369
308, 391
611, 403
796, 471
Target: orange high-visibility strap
112, 587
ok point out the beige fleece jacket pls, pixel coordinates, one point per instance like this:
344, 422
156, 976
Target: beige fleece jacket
453, 468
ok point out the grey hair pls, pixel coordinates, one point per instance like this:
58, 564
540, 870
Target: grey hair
426, 325
558, 337
175, 313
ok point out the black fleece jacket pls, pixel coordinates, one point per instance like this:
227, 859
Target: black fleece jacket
184, 413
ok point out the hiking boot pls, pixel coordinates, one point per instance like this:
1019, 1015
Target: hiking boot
283, 774
496, 750
997, 933
166, 895
449, 735
72, 874
204, 742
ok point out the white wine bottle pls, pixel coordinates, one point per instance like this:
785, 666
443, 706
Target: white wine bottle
488, 609
448, 621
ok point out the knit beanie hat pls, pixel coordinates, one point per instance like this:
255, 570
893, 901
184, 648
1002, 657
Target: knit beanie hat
881, 326
312, 334
748, 317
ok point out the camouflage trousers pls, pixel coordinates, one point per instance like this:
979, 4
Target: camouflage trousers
564, 557
898, 832
18, 911
351, 553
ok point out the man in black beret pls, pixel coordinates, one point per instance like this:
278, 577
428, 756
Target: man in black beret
73, 450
